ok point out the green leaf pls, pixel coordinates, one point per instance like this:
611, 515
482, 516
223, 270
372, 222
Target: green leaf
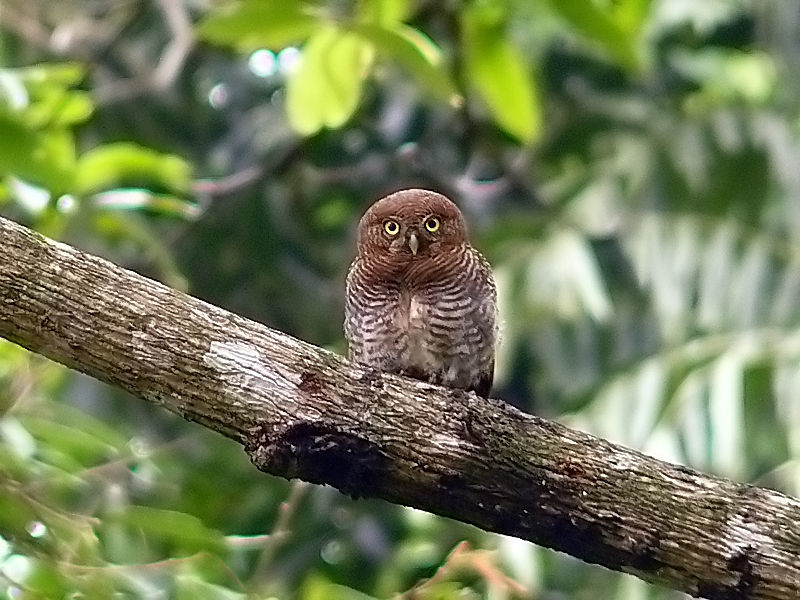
727, 76
122, 162
414, 51
17, 437
121, 227
324, 91
46, 75
13, 92
500, 73
83, 448
316, 587
386, 12
15, 513
41, 96
138, 199
45, 580
254, 24
181, 532
17, 147
61, 108
600, 25
37, 110
71, 416
631, 15
46, 158
190, 586
58, 144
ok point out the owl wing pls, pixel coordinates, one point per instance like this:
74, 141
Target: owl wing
484, 320
483, 383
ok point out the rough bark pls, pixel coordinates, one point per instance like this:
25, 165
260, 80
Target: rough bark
303, 412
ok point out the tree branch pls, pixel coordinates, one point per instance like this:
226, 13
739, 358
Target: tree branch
302, 412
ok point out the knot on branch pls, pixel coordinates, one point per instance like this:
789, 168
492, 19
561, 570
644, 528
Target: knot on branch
320, 453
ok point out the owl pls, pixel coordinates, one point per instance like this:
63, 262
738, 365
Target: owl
420, 300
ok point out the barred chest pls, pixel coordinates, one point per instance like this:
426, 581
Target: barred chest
425, 345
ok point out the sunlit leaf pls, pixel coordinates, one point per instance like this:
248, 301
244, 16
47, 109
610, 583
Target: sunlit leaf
324, 91
123, 162
254, 24
386, 12
727, 75
414, 51
631, 14
317, 587
726, 415
498, 70
43, 157
598, 24
61, 108
563, 274
66, 74
17, 437
58, 145
12, 90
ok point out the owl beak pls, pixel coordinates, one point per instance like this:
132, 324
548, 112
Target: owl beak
413, 243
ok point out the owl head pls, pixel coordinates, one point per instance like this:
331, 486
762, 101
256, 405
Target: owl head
411, 226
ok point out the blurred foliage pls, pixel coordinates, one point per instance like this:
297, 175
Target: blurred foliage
629, 167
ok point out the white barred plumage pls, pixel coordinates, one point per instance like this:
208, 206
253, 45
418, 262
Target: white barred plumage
420, 300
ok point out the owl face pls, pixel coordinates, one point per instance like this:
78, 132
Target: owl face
411, 225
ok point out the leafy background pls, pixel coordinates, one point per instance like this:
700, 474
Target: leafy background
630, 167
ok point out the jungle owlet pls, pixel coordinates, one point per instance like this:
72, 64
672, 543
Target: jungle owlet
421, 301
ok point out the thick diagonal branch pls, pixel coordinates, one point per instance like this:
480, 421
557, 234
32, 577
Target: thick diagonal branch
303, 412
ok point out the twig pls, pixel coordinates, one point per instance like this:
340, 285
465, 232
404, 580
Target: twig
463, 556
280, 530
158, 564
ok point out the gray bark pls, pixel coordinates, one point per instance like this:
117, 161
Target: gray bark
302, 412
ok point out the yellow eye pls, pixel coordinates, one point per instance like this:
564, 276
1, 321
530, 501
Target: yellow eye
391, 227
432, 224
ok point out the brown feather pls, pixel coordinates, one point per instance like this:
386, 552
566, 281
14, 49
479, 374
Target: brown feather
430, 314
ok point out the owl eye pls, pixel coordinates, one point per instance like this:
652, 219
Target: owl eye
391, 227
432, 224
